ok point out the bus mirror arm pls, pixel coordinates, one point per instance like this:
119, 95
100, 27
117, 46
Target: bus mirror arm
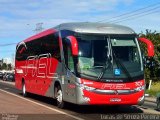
143, 57
150, 46
74, 45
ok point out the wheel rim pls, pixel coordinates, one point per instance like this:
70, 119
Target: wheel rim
59, 96
24, 89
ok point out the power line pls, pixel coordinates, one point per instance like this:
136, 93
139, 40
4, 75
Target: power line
134, 12
7, 51
123, 17
135, 16
8, 44
39, 27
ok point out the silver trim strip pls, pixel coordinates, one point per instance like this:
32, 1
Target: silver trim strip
114, 92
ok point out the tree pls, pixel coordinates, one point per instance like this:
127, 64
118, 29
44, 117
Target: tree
4, 66
152, 72
9, 67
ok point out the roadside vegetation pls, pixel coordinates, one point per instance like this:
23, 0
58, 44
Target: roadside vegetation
152, 67
155, 89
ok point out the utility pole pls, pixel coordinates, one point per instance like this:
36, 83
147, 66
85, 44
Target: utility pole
39, 27
13, 61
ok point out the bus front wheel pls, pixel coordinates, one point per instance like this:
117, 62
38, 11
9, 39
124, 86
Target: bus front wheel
59, 97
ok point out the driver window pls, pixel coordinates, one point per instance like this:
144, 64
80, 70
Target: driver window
70, 60
68, 57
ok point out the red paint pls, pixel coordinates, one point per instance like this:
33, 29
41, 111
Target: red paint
39, 74
96, 98
22, 50
37, 79
112, 86
39, 35
74, 45
150, 46
72, 86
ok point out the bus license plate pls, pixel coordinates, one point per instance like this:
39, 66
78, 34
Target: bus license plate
115, 100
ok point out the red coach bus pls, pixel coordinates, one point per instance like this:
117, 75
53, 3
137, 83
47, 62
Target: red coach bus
83, 63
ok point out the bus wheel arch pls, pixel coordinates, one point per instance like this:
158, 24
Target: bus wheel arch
58, 95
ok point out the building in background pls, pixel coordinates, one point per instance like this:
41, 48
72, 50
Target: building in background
7, 60
6, 64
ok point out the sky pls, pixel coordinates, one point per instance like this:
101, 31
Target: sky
18, 18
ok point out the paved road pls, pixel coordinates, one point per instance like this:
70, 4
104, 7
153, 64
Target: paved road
38, 107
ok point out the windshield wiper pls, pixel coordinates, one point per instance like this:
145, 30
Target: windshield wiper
105, 66
107, 61
122, 66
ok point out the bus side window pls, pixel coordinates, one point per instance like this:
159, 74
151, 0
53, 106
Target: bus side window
21, 53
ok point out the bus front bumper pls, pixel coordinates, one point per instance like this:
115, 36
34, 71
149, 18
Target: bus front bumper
86, 97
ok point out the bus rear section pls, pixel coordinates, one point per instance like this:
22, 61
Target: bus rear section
38, 63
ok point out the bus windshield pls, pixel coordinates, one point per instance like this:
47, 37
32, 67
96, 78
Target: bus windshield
98, 54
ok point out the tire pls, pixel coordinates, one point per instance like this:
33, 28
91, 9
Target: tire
158, 105
24, 93
59, 97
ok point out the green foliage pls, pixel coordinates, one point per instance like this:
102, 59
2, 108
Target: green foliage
155, 88
5, 66
153, 73
9, 67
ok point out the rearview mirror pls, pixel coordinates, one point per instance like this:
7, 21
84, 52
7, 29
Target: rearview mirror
74, 45
150, 46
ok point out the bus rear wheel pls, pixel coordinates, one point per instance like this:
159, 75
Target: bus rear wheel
24, 93
59, 97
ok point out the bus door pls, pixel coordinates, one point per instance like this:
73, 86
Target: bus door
69, 74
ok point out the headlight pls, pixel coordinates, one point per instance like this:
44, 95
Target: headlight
140, 88
82, 86
88, 88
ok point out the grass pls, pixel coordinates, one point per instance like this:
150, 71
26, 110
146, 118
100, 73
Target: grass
155, 89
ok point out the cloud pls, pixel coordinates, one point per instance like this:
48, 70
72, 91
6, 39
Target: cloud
57, 9
17, 17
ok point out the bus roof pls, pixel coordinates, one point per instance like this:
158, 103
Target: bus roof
85, 27
89, 27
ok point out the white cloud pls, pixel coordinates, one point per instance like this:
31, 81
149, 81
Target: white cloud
16, 15
19, 18
57, 9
